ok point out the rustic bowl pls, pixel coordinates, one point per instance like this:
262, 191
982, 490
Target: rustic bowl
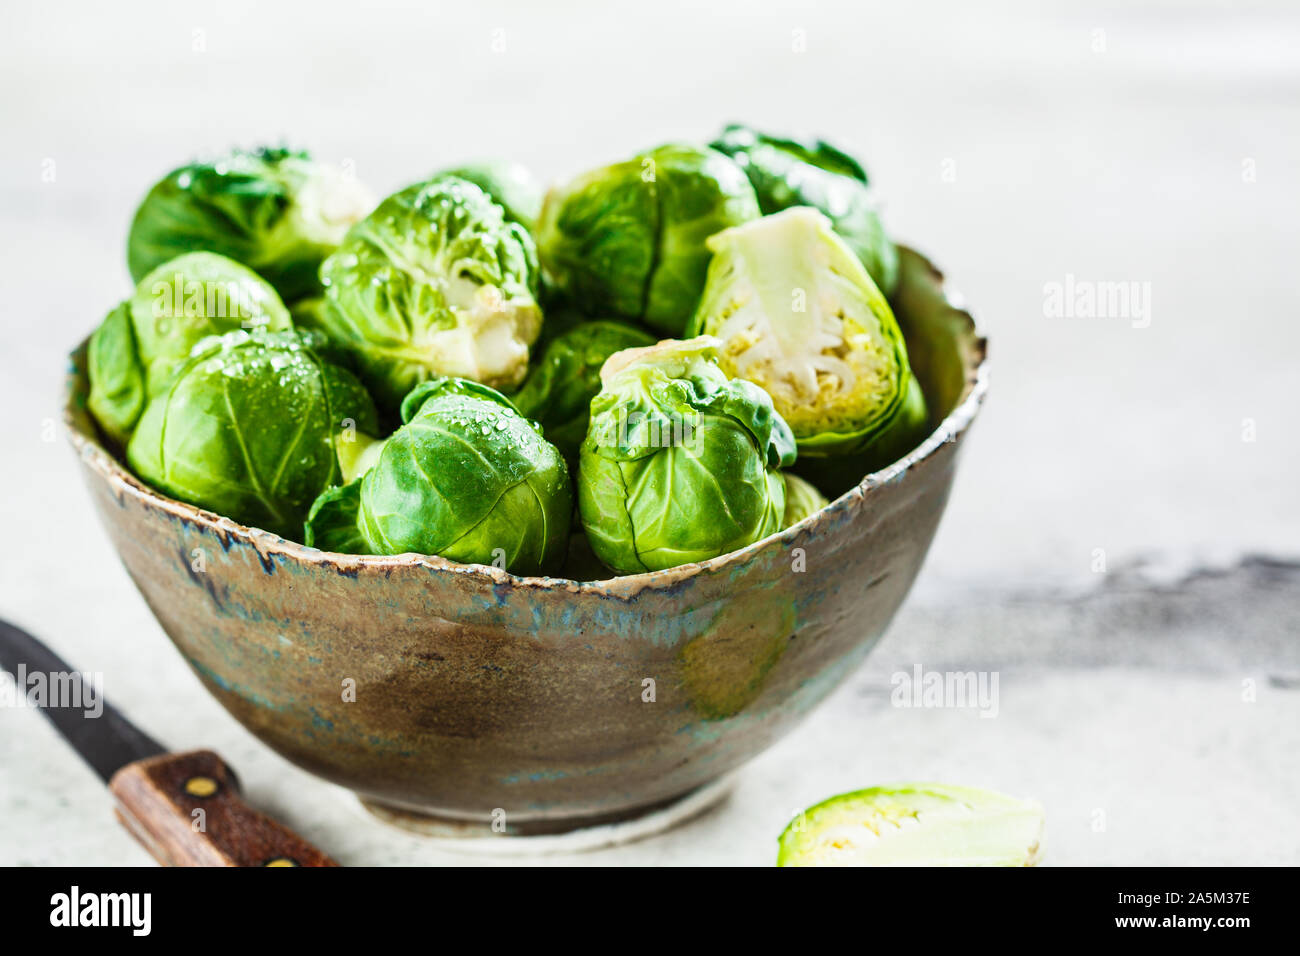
472, 695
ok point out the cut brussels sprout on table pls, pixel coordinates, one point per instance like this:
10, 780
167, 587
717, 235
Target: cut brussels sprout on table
275, 210
250, 426
797, 314
791, 172
435, 282
628, 240
680, 463
466, 478
917, 824
138, 346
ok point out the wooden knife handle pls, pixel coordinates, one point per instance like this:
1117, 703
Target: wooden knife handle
186, 810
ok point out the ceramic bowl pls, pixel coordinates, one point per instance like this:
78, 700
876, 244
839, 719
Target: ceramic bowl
542, 704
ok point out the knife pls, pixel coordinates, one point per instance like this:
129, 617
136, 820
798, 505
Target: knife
185, 808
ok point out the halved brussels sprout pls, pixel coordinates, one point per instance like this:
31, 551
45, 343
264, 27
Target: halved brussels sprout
680, 462
250, 427
798, 314
467, 477
275, 210
839, 473
558, 391
509, 185
135, 350
434, 282
792, 172
801, 500
628, 240
915, 824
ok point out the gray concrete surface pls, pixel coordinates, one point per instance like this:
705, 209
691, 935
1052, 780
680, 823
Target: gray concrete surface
1152, 706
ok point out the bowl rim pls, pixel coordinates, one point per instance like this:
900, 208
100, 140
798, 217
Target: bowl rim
98, 458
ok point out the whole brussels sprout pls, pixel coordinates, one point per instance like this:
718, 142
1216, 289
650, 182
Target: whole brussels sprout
134, 351
250, 427
801, 500
791, 172
628, 240
467, 477
434, 282
680, 463
798, 315
558, 391
509, 185
275, 210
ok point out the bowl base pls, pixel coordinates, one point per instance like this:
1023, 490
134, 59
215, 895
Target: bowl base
568, 835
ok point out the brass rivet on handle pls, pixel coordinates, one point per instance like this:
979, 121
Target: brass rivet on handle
201, 786
280, 861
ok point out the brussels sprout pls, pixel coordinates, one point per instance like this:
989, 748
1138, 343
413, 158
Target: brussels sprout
628, 240
558, 391
332, 521
509, 185
680, 462
798, 314
467, 477
801, 500
275, 210
789, 172
137, 347
434, 282
117, 388
250, 428
840, 473
917, 824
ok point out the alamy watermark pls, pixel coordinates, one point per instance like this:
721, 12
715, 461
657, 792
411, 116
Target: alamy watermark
230, 299
972, 690
73, 690
1089, 299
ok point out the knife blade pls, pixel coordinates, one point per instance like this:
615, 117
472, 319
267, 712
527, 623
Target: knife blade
185, 808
